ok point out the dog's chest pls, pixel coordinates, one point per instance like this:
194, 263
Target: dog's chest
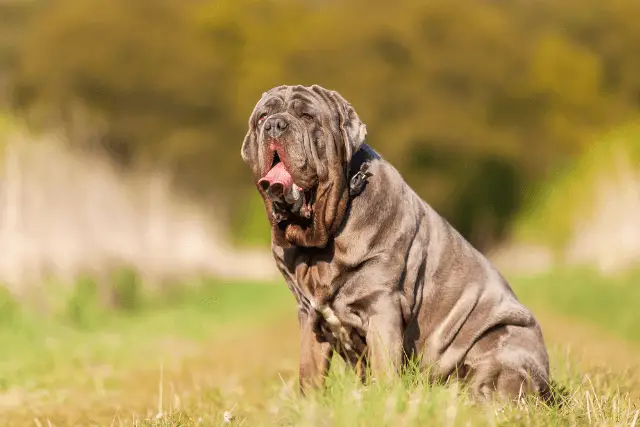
313, 278
314, 272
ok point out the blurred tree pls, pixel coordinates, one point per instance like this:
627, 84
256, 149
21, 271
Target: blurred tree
13, 17
472, 101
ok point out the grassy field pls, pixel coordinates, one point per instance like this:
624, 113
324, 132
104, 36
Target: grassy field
187, 358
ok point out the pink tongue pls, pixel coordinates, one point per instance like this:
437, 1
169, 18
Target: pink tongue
277, 175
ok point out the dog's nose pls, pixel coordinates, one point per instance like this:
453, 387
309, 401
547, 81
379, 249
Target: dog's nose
275, 126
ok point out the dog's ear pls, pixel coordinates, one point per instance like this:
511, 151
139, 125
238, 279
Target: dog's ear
248, 146
354, 131
249, 150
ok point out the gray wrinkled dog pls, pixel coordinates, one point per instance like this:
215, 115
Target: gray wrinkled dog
378, 275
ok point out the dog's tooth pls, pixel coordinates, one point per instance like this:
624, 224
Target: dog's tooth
293, 195
299, 203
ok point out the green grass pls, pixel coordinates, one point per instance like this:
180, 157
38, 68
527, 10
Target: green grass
410, 401
611, 304
38, 351
187, 357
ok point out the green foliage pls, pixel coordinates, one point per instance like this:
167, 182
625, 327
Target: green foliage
84, 306
611, 304
470, 100
13, 16
10, 309
6, 126
5, 123
127, 289
90, 301
562, 200
250, 224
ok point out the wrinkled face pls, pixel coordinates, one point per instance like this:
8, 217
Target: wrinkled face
299, 145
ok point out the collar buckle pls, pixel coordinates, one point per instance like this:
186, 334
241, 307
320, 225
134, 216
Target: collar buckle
359, 165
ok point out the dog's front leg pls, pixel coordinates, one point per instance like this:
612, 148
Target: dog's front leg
315, 355
384, 339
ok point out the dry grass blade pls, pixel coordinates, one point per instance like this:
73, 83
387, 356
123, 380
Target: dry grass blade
595, 398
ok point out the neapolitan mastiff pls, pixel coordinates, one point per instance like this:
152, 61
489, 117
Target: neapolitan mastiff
378, 275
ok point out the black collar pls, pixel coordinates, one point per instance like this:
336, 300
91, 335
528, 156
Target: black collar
358, 170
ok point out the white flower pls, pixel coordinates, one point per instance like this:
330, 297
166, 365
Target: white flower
228, 417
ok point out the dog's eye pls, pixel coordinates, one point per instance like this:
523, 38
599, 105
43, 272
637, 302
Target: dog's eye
262, 117
307, 116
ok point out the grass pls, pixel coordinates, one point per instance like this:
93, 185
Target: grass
412, 401
609, 303
218, 347
37, 351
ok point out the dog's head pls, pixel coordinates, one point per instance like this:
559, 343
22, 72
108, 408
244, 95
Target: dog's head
299, 145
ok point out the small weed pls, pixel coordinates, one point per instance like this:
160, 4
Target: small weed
84, 307
127, 289
10, 309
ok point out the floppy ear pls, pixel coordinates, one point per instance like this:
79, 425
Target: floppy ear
249, 150
248, 146
353, 130
356, 130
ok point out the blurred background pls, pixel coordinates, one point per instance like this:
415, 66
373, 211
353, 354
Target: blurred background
121, 123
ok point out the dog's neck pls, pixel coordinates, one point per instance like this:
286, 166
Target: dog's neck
358, 173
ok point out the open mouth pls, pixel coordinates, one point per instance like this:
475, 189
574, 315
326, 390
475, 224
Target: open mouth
290, 202
276, 175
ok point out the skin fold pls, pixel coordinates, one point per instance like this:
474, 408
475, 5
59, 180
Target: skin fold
378, 275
